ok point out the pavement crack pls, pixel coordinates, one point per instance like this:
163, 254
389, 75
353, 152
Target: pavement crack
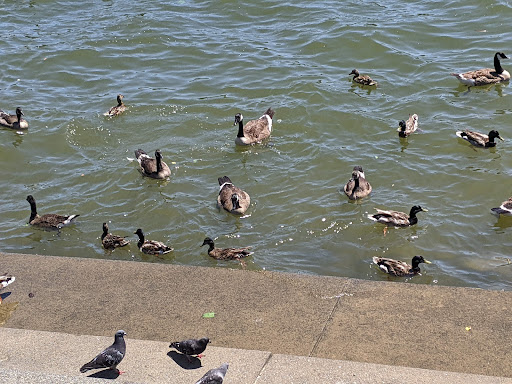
329, 320
270, 354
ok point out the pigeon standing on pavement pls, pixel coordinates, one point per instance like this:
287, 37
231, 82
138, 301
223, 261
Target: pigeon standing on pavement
5, 280
110, 357
191, 347
214, 376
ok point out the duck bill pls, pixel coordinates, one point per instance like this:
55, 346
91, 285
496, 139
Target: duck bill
424, 210
426, 261
501, 138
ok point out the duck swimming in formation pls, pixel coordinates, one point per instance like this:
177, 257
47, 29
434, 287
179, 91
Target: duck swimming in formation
504, 209
479, 139
152, 167
151, 247
118, 109
255, 131
400, 268
225, 253
485, 76
232, 198
13, 121
5, 280
406, 128
362, 79
357, 187
49, 220
111, 241
397, 219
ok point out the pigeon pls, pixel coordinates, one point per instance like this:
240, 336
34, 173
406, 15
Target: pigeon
5, 280
191, 347
110, 357
214, 376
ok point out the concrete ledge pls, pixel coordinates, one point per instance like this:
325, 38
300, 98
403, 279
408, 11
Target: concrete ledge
395, 324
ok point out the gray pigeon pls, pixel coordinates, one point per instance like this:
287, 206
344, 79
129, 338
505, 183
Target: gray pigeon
214, 376
191, 347
110, 357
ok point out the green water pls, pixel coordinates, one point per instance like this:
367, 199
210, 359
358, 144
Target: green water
186, 69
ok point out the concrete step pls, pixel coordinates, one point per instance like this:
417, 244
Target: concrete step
28, 356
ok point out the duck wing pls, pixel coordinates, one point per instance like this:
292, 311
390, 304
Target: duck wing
392, 266
153, 247
230, 253
391, 217
476, 138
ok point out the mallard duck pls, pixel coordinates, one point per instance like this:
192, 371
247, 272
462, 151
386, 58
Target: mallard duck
406, 128
397, 219
191, 347
118, 109
225, 253
479, 139
111, 241
152, 167
13, 121
485, 76
151, 247
255, 130
400, 268
5, 280
362, 79
357, 187
505, 208
49, 220
231, 198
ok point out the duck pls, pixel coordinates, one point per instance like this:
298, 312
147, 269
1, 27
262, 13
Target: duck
152, 167
232, 198
479, 139
254, 131
400, 268
505, 208
13, 121
406, 128
5, 280
225, 253
397, 219
485, 76
362, 79
49, 220
151, 247
111, 241
118, 109
357, 187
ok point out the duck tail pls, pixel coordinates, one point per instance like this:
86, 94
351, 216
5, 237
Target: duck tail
139, 152
224, 180
270, 112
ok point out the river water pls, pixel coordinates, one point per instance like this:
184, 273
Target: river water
187, 67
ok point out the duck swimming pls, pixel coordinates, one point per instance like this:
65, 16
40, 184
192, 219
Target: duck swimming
13, 121
400, 268
479, 139
118, 109
225, 253
485, 76
406, 128
362, 79
397, 219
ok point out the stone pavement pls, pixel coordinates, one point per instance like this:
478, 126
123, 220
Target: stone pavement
270, 327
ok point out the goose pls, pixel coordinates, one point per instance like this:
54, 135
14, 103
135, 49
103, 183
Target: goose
13, 121
5, 280
362, 79
118, 109
191, 347
152, 167
255, 130
400, 268
505, 208
479, 139
397, 219
151, 247
487, 75
49, 220
406, 128
231, 198
357, 187
111, 241
225, 253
